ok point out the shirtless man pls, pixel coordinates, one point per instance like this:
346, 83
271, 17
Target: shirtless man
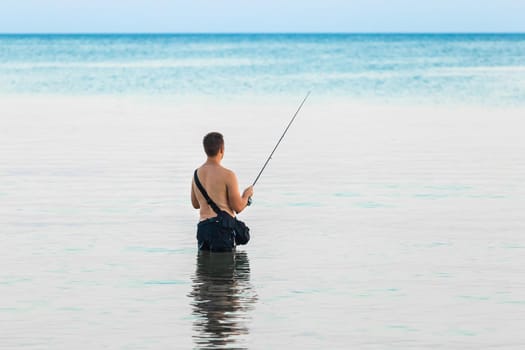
223, 188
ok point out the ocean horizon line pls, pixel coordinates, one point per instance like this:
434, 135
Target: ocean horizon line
254, 33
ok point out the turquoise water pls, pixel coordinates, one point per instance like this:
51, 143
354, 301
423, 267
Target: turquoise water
390, 217
451, 68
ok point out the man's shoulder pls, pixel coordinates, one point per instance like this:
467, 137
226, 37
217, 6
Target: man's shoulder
228, 175
228, 171
220, 170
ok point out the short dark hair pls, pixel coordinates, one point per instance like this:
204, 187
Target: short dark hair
213, 142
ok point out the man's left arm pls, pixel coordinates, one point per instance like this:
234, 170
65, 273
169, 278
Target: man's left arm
194, 200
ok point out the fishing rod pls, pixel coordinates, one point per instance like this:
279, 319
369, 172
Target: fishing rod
278, 142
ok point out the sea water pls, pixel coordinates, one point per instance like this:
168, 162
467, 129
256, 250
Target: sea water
477, 68
390, 217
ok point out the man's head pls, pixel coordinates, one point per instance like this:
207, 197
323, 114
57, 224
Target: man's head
213, 144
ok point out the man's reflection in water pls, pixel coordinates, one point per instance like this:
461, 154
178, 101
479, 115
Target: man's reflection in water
223, 296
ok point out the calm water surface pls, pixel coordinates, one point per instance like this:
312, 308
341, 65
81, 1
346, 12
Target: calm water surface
375, 226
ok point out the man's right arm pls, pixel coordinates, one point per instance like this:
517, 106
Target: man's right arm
237, 201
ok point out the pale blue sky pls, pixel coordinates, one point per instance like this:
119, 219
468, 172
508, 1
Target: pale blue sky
23, 16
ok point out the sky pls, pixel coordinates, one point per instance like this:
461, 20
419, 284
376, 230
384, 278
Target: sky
195, 16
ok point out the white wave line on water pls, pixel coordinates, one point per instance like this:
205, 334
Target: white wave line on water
483, 68
200, 63
183, 63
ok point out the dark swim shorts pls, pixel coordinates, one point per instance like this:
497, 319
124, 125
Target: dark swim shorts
213, 237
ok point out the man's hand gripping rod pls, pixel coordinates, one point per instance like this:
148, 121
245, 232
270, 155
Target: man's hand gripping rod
277, 145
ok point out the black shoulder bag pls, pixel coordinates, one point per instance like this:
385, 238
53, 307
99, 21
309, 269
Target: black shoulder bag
242, 232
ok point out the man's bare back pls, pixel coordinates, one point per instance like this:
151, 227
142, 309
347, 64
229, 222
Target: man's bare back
222, 187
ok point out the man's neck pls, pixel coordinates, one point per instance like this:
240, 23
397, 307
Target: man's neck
213, 160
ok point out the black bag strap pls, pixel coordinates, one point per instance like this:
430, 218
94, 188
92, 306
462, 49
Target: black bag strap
210, 202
